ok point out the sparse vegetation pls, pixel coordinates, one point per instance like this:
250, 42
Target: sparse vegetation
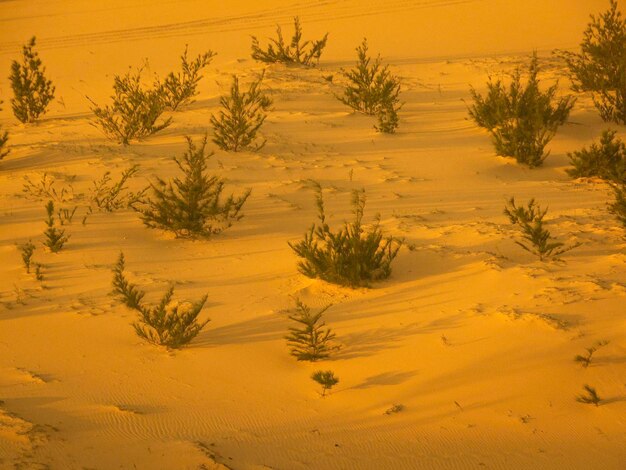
352, 256
590, 396
373, 90
55, 237
238, 123
618, 206
538, 239
397, 408
600, 66
180, 88
606, 160
109, 195
134, 112
128, 293
32, 91
66, 215
48, 187
27, 250
192, 206
305, 53
326, 378
523, 119
309, 340
39, 271
585, 360
4, 138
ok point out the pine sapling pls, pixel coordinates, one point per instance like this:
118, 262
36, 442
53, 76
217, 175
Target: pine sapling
326, 379
591, 396
192, 206
55, 237
618, 206
27, 250
606, 160
538, 239
4, 138
128, 293
585, 360
237, 124
179, 89
32, 91
309, 340
305, 53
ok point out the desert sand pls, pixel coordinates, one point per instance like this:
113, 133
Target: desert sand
473, 337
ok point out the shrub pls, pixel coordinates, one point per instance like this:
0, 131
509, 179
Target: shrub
618, 206
539, 240
179, 89
48, 187
607, 160
27, 250
600, 66
523, 119
127, 292
305, 53
373, 90
31, 90
585, 360
109, 195
243, 114
353, 256
309, 341
55, 238
134, 111
591, 396
192, 206
4, 137
326, 378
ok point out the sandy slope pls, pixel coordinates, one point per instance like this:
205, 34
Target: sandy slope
473, 336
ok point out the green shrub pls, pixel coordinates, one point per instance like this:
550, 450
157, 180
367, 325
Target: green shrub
600, 66
585, 360
352, 256
134, 112
618, 206
32, 91
591, 396
55, 237
27, 250
523, 119
309, 340
305, 53
191, 206
126, 292
244, 112
4, 137
606, 161
326, 378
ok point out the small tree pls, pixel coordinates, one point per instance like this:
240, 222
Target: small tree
4, 137
618, 206
192, 206
305, 53
538, 239
590, 397
179, 88
27, 250
244, 112
600, 66
127, 292
353, 256
55, 237
373, 90
523, 119
326, 378
585, 360
607, 160
32, 91
134, 111
309, 341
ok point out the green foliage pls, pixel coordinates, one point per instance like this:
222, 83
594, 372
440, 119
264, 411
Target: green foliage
109, 195
352, 256
591, 396
309, 341
134, 111
538, 239
237, 124
4, 137
27, 250
585, 360
55, 237
326, 378
305, 53
606, 161
179, 89
618, 206
31, 90
127, 292
373, 90
192, 206
600, 66
523, 119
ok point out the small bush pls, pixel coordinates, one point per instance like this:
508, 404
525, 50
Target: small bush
127, 292
134, 112
326, 379
618, 206
48, 187
27, 250
606, 161
309, 341
585, 360
305, 53
4, 138
55, 237
179, 89
538, 239
31, 90
109, 195
353, 256
373, 90
600, 66
590, 397
237, 124
192, 206
521, 120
